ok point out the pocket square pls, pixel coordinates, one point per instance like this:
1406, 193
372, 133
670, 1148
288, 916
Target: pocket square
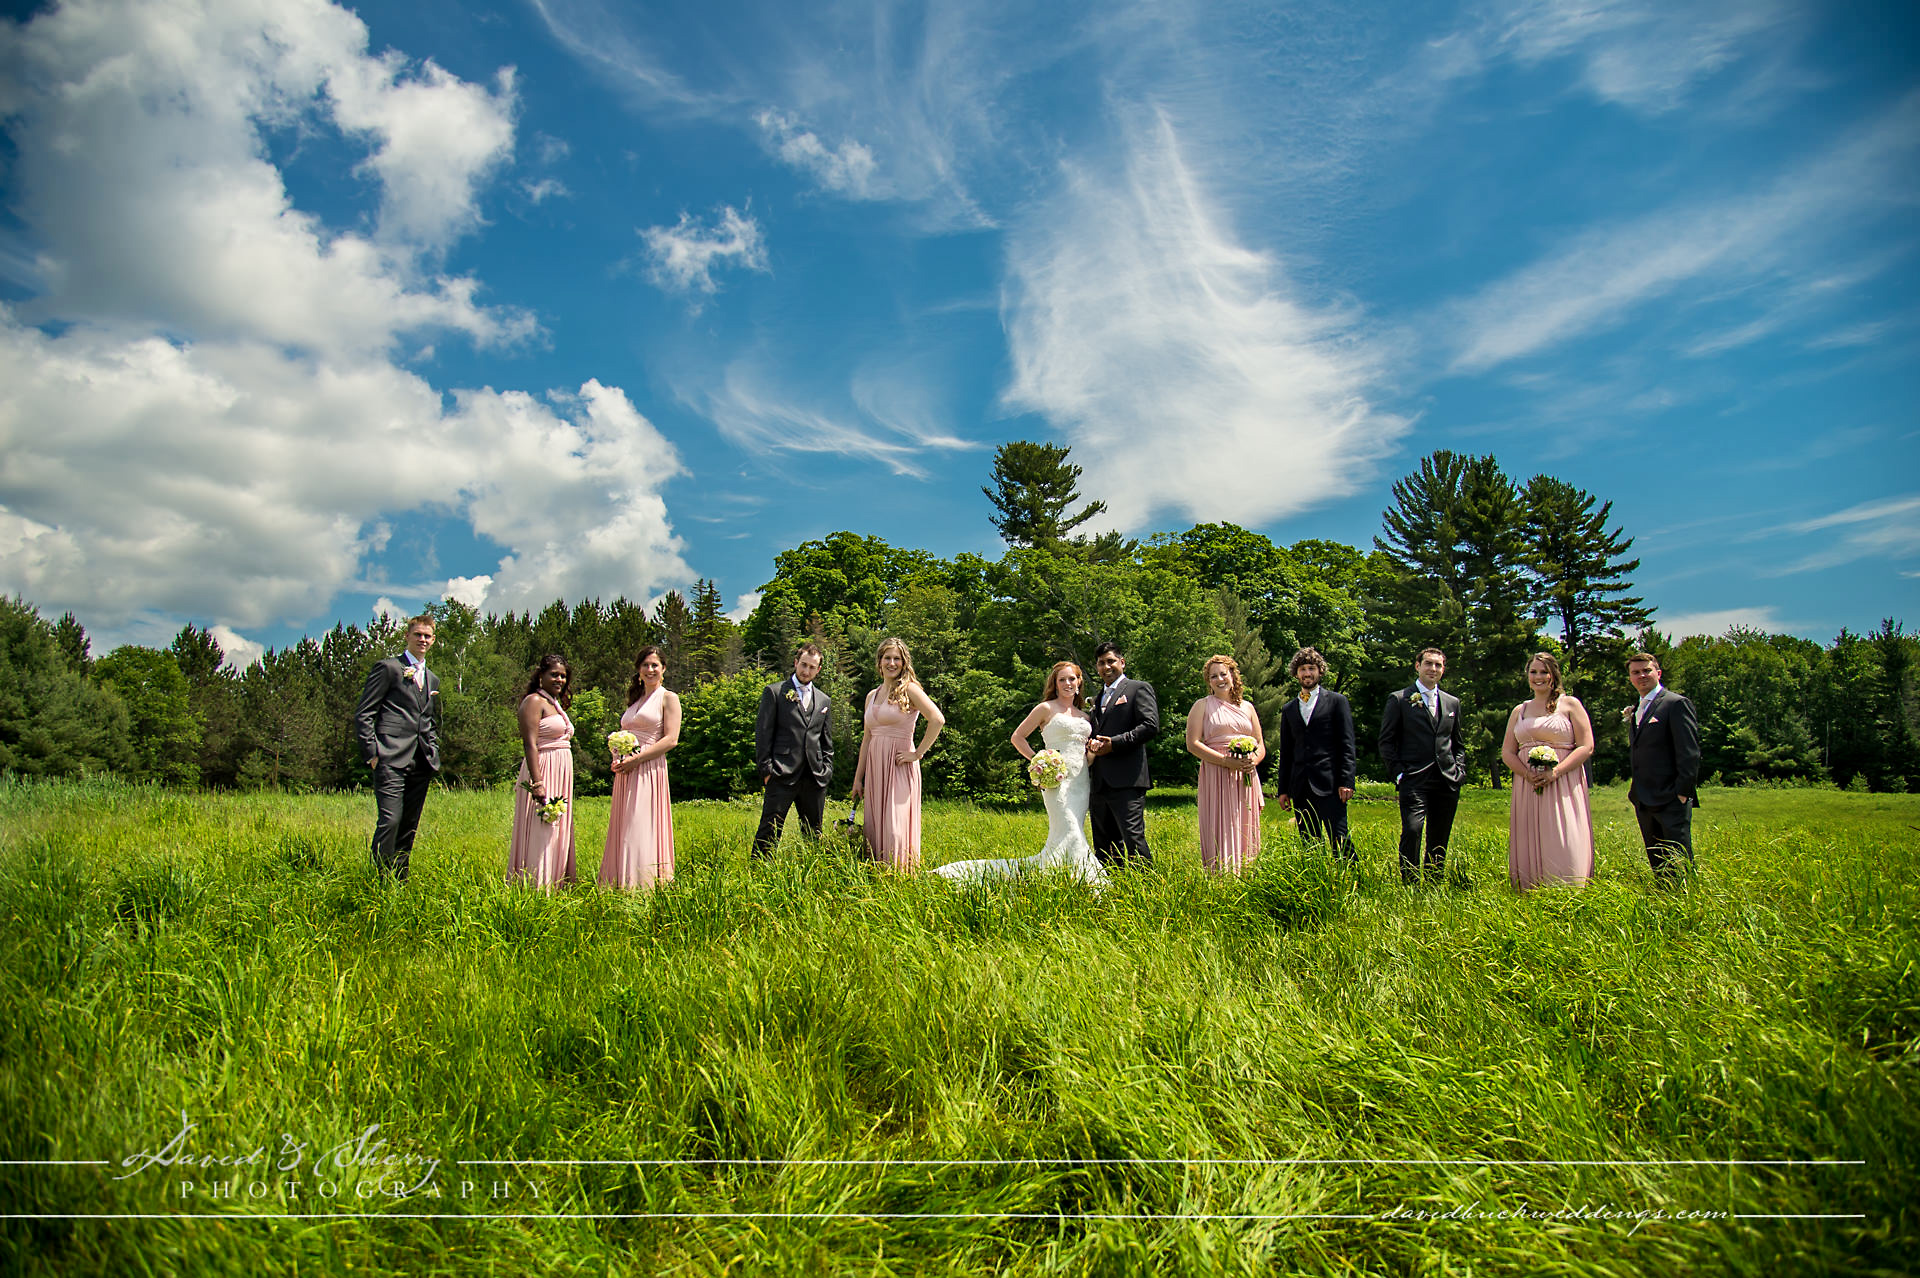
1651, 719
1118, 701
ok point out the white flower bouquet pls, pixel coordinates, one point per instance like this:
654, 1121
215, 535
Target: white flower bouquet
550, 811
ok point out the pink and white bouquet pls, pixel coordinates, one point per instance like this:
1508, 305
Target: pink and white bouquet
622, 744
1543, 758
1047, 769
1243, 748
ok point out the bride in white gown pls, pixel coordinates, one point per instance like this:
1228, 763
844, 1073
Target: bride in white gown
1065, 729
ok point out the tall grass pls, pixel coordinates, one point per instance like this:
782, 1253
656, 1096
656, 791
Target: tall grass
1031, 1079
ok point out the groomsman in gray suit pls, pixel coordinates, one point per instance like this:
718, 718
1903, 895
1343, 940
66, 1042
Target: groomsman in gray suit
398, 725
793, 749
1420, 744
1665, 764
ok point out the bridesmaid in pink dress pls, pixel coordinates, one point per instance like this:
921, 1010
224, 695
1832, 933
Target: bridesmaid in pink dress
639, 849
888, 772
1230, 797
1550, 825
542, 853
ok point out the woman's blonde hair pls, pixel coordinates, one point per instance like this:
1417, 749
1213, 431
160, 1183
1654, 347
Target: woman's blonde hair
1053, 678
899, 695
1239, 690
1552, 663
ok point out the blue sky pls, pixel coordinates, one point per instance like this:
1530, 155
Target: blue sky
309, 311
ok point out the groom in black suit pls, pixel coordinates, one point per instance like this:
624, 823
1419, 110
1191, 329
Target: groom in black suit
1126, 715
1420, 744
398, 727
1318, 755
793, 749
1666, 765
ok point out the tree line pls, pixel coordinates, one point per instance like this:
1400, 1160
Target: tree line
1467, 560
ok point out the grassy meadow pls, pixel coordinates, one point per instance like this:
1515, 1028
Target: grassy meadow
834, 1069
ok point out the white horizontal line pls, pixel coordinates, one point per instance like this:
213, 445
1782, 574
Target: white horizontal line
54, 1162
802, 1215
1175, 1162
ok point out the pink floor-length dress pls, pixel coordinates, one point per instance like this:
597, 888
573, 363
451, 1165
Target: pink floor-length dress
640, 832
542, 854
1549, 834
893, 789
1229, 810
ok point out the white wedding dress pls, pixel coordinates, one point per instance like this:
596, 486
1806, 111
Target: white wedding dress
1067, 846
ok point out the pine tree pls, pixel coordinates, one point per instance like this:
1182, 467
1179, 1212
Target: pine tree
1033, 485
1456, 540
72, 639
675, 624
1583, 574
707, 631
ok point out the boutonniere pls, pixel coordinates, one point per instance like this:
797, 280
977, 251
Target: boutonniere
410, 673
793, 696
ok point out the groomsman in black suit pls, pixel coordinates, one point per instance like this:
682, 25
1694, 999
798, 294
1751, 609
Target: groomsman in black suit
793, 749
1420, 744
1666, 765
1318, 755
398, 727
1126, 715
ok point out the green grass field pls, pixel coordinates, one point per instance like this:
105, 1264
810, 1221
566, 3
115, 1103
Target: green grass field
1016, 1080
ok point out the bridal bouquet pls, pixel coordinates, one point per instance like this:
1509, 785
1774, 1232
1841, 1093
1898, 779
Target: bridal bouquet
1047, 769
550, 811
622, 744
1243, 748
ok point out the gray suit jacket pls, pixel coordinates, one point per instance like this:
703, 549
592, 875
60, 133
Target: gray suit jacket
398, 722
789, 743
1666, 752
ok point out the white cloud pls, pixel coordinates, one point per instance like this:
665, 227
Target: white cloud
211, 424
471, 591
1176, 361
142, 173
743, 606
239, 651
847, 168
1603, 274
437, 138
1713, 625
385, 607
545, 189
683, 257
1647, 57
249, 485
763, 420
1888, 528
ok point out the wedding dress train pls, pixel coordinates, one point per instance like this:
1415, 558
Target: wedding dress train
1067, 845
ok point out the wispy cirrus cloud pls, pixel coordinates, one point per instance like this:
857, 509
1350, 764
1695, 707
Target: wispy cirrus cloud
1184, 368
1885, 529
1602, 275
1647, 57
682, 258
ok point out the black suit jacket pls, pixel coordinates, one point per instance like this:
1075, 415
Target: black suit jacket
1317, 756
789, 742
398, 721
1130, 721
1413, 741
1666, 752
